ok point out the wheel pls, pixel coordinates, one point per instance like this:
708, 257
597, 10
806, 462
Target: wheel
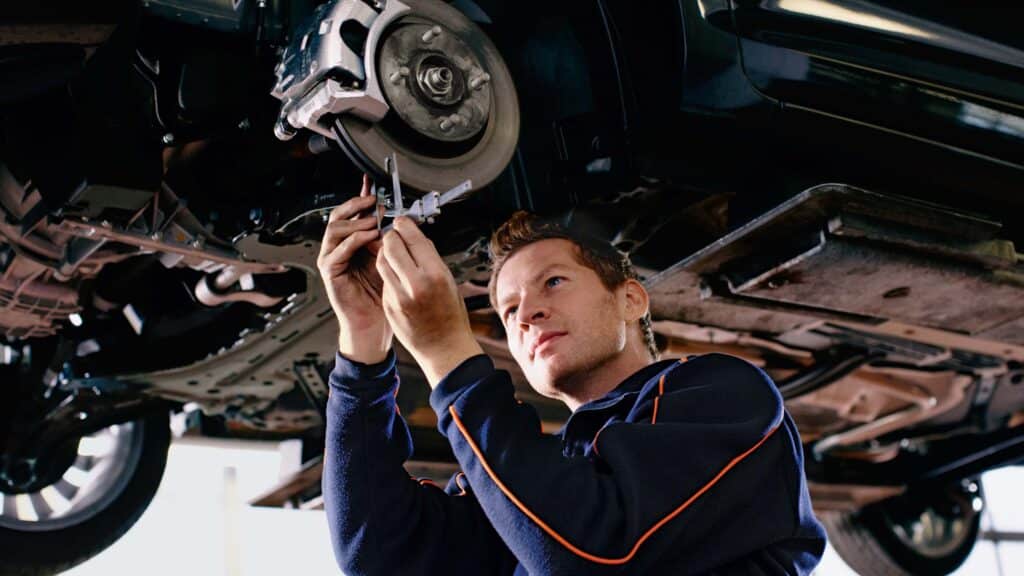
454, 109
919, 533
105, 490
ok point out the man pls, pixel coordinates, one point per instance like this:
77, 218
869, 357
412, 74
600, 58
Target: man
664, 467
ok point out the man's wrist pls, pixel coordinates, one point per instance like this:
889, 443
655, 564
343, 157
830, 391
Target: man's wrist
436, 365
356, 377
362, 347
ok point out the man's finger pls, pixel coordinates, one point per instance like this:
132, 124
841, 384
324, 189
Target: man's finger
393, 287
337, 260
351, 207
398, 255
338, 230
420, 248
365, 191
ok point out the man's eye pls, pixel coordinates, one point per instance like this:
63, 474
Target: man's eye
554, 281
510, 312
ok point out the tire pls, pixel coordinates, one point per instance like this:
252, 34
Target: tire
870, 542
37, 551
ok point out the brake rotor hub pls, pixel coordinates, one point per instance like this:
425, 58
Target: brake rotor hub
453, 113
430, 75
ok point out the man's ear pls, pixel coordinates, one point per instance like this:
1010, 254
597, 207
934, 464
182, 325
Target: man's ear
637, 300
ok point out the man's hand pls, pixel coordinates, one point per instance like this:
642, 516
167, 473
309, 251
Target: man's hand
353, 285
421, 302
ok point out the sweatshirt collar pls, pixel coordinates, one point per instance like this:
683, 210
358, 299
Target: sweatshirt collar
632, 383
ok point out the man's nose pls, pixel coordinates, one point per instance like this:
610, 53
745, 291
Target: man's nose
532, 311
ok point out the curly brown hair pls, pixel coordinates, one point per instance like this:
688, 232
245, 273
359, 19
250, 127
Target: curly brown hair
612, 267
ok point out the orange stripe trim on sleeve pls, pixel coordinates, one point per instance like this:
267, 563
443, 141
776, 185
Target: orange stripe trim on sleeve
459, 484
661, 391
593, 443
568, 545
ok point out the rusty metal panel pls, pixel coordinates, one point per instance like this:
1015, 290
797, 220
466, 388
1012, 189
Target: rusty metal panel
1012, 332
885, 283
835, 252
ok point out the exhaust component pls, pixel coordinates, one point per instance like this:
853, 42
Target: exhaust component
920, 403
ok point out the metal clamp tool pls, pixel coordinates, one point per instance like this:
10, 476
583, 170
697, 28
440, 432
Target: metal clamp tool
425, 209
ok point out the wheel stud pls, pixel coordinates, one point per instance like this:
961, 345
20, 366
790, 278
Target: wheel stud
398, 75
429, 35
447, 123
478, 82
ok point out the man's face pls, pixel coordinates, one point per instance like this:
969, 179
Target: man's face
560, 319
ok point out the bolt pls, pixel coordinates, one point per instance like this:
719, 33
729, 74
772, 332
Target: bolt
398, 75
429, 35
284, 130
168, 138
454, 119
478, 82
244, 124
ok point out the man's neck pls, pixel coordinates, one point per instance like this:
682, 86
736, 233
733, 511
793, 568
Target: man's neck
604, 378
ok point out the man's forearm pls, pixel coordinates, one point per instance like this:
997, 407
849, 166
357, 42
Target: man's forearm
381, 520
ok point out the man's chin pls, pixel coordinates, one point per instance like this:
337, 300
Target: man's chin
554, 372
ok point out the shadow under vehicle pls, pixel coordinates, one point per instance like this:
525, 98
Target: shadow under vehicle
830, 189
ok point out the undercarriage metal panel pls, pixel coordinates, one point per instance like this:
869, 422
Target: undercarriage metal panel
843, 254
871, 280
1012, 331
260, 366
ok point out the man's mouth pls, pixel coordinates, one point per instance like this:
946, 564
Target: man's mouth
542, 340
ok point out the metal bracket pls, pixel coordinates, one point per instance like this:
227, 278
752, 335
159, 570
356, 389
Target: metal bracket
313, 385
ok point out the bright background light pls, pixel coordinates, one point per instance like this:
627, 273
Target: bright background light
200, 522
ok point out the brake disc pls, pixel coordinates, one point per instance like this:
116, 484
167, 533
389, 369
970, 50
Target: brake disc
453, 111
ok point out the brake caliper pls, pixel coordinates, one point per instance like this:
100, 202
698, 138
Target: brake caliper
325, 70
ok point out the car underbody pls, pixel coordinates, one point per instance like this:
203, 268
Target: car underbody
841, 217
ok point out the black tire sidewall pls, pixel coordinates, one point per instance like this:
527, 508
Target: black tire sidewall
39, 553
873, 518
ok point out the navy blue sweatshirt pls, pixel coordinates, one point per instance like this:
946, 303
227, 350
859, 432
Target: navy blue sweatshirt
687, 467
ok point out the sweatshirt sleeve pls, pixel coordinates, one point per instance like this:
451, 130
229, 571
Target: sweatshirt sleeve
381, 520
679, 480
